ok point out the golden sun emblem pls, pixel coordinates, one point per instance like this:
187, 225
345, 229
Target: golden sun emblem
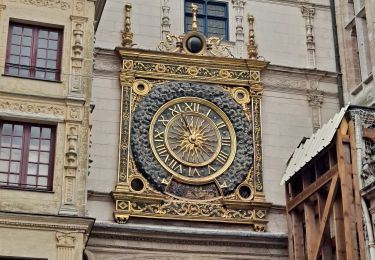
193, 139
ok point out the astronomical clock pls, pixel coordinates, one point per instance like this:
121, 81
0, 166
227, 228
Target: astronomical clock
190, 145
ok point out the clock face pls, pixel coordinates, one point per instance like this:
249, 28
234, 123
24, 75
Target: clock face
193, 139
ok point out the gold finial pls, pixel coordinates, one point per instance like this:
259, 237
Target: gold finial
127, 35
252, 48
194, 10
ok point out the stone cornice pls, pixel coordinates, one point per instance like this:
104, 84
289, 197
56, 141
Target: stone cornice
46, 222
188, 235
297, 3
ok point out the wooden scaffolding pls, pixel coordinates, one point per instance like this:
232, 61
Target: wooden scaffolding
323, 201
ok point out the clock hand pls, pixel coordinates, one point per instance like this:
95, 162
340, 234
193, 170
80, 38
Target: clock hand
185, 122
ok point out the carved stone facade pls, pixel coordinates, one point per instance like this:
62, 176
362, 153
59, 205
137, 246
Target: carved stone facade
55, 218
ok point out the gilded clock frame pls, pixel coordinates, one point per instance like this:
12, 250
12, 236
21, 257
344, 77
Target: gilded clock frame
243, 82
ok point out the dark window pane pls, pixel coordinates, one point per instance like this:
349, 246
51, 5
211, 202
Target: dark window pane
14, 59
41, 53
42, 181
51, 64
27, 31
18, 130
13, 178
53, 35
26, 51
216, 10
52, 55
40, 74
32, 168
31, 180
17, 30
24, 73
4, 153
42, 43
7, 129
26, 41
15, 167
25, 61
4, 166
41, 63
16, 154
45, 145
43, 34
35, 132
34, 144
5, 141
17, 142
44, 157
51, 76
13, 71
52, 45
33, 156
15, 49
46, 133
3, 177
16, 39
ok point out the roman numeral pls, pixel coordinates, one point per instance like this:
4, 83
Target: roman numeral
159, 137
163, 120
161, 149
174, 165
193, 107
211, 169
222, 157
225, 141
193, 171
220, 125
175, 110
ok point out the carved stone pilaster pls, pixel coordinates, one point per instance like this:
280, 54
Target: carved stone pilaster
65, 245
71, 164
165, 20
127, 35
308, 13
239, 6
75, 88
315, 99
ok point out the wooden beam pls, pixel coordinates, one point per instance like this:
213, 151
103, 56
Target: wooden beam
310, 222
298, 241
356, 191
327, 209
346, 192
338, 221
289, 221
312, 188
369, 133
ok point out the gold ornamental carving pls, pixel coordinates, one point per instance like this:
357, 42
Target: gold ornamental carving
179, 153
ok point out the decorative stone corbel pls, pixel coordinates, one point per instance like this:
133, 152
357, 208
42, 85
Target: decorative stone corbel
71, 164
76, 89
252, 48
127, 35
315, 98
165, 20
65, 245
239, 6
308, 13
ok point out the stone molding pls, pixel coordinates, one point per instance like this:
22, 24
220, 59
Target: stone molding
239, 6
46, 222
188, 235
308, 12
63, 5
165, 19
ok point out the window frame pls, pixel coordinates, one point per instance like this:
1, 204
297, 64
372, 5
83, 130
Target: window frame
34, 47
24, 160
206, 16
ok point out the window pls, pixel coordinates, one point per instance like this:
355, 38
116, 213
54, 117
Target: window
26, 155
212, 17
34, 52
